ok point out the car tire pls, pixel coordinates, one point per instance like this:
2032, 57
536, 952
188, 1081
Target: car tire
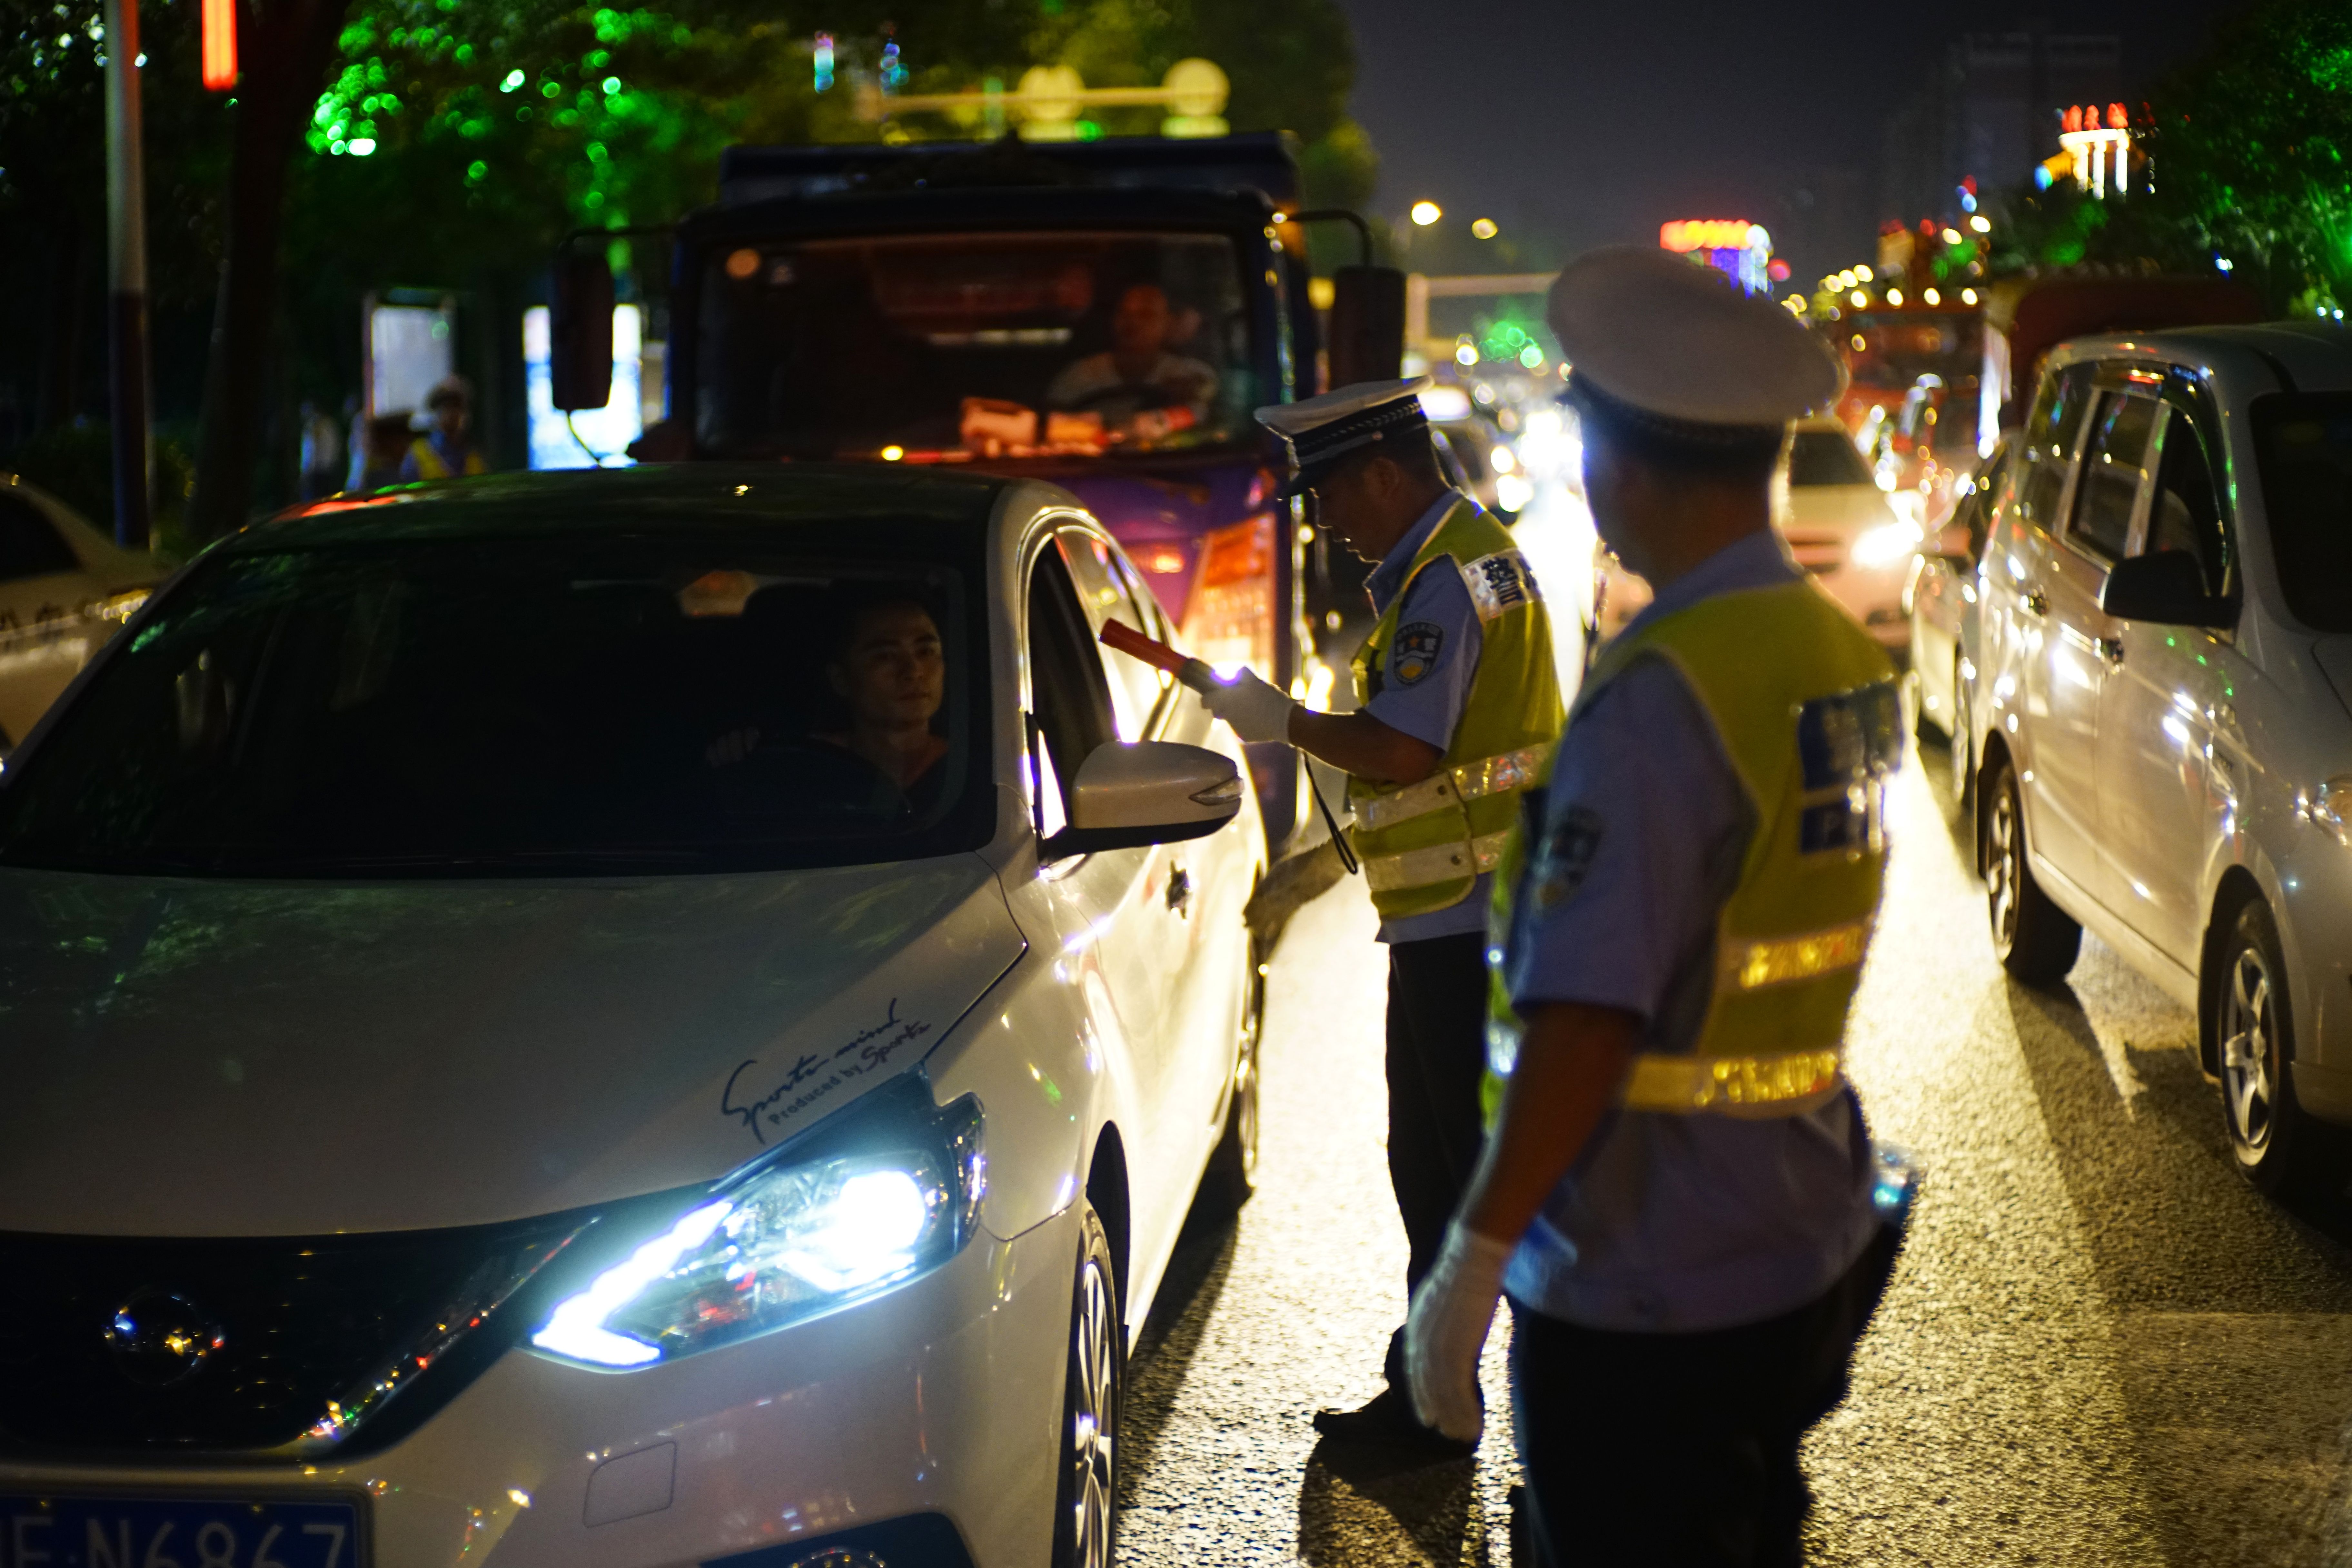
1232, 1175
2035, 940
2277, 1145
1086, 1497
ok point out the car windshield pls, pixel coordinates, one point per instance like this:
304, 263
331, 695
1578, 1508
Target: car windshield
489, 707
947, 347
1826, 457
2303, 445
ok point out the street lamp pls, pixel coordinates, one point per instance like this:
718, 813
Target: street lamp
1484, 228
1426, 213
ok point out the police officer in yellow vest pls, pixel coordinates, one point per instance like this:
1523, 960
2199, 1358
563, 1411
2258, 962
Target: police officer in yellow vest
1679, 1194
1457, 706
447, 449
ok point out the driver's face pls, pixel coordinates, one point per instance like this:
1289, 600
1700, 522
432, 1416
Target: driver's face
1141, 326
894, 672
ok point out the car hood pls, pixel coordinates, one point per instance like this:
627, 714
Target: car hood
187, 1058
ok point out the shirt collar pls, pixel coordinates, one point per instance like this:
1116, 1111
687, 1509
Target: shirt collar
1388, 577
1756, 561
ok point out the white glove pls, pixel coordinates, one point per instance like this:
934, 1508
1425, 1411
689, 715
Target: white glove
1446, 1329
1256, 710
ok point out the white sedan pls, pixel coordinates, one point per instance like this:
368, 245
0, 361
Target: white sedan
65, 588
1837, 524
624, 1018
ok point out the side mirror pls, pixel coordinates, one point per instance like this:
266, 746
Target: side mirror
2167, 587
580, 329
1129, 794
1367, 337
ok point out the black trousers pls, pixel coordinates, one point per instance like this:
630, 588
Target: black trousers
1436, 1060
1680, 1450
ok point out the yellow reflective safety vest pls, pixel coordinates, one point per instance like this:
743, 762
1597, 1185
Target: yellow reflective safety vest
1424, 845
429, 465
1803, 702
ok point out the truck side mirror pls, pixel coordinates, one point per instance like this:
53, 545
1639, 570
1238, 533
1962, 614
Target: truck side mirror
1366, 336
580, 330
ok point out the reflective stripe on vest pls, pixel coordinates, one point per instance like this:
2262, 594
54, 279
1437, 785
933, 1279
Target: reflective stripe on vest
1511, 771
1811, 729
1424, 844
1435, 864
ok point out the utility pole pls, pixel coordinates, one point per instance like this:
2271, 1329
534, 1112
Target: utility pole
126, 276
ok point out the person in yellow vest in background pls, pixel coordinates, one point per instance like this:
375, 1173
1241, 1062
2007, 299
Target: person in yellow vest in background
446, 451
1457, 704
1679, 1194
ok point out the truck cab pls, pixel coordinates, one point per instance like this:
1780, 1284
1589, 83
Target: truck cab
1103, 315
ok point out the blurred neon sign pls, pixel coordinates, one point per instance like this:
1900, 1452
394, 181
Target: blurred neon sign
1711, 233
1733, 245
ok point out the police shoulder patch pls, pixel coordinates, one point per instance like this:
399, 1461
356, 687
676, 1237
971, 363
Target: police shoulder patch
1566, 857
1417, 648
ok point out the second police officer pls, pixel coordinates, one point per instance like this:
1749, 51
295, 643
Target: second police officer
1680, 1196
1457, 706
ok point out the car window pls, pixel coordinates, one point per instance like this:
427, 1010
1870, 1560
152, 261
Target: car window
2185, 511
2113, 468
2050, 436
30, 545
1825, 458
1110, 595
444, 707
1070, 712
2303, 446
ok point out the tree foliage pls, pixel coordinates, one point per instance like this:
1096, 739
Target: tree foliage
2245, 148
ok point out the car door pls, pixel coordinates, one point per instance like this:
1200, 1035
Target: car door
2166, 743
1179, 909
44, 636
2052, 653
1115, 941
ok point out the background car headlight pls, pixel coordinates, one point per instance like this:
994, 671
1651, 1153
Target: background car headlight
1888, 541
862, 1203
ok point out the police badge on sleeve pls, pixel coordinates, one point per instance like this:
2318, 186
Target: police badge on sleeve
1417, 646
1565, 856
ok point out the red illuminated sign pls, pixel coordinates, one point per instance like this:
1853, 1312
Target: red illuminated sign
220, 44
1704, 234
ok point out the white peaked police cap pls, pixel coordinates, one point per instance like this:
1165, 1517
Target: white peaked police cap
1664, 337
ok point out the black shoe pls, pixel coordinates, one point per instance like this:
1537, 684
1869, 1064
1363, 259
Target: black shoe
1388, 1422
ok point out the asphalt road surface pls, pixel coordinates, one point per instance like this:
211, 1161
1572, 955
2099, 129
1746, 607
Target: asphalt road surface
2100, 1348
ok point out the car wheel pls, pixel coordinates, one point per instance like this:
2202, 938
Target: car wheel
2034, 939
2278, 1146
1232, 1168
1085, 1503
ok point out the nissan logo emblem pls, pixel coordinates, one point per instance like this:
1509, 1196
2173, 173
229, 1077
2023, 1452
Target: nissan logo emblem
158, 1339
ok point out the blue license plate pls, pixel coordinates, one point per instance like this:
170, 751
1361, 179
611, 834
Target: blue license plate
122, 1532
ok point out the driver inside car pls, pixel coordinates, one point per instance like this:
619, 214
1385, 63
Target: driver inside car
888, 665
1138, 372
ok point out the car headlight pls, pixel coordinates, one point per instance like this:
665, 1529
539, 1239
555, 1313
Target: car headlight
1888, 541
857, 1205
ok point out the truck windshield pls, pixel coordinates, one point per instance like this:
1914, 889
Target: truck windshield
2303, 444
541, 707
942, 348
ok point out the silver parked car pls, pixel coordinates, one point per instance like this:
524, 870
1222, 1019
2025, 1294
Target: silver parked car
64, 589
1940, 601
2160, 710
